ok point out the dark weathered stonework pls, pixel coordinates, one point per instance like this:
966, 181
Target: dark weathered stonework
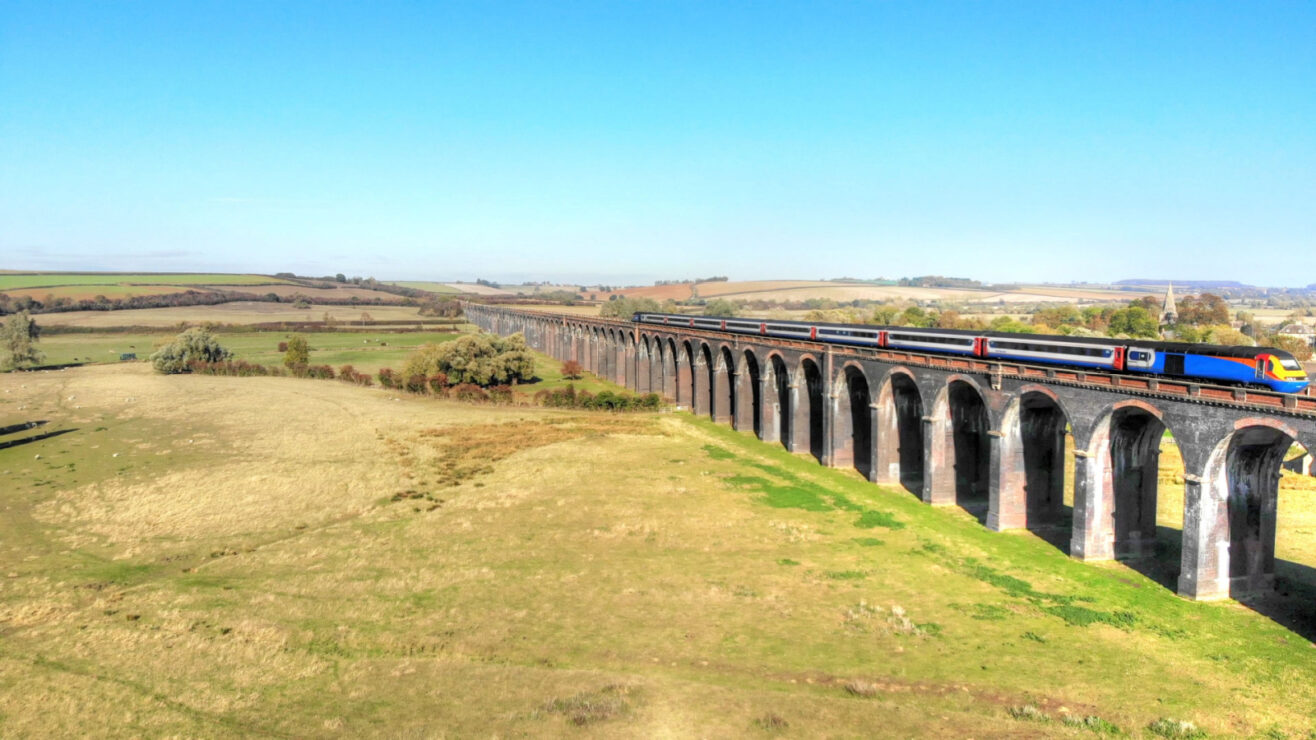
984, 435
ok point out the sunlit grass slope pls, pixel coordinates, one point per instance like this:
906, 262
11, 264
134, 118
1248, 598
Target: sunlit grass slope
204, 556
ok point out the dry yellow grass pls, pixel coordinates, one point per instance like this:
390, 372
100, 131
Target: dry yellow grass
277, 557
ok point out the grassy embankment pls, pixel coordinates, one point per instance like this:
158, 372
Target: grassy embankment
272, 556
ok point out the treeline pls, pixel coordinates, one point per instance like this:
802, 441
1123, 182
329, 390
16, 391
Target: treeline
938, 281
10, 304
713, 279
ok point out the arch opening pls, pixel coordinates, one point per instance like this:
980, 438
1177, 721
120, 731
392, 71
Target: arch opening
852, 444
782, 423
807, 415
685, 377
900, 433
669, 375
749, 396
724, 381
968, 441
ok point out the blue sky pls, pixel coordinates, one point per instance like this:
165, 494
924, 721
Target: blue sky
633, 141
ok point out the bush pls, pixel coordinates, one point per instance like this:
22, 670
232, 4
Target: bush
480, 359
193, 345
240, 368
298, 352
415, 384
347, 373
439, 384
387, 378
320, 372
605, 401
571, 370
469, 392
283, 346
500, 394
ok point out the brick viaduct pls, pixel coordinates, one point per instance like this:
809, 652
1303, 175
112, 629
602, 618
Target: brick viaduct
988, 436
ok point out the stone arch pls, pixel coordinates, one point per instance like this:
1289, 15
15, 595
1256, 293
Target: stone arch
722, 386
1116, 480
644, 365
852, 425
627, 356
958, 453
1231, 513
899, 454
668, 387
777, 404
686, 377
1030, 481
704, 381
807, 411
749, 395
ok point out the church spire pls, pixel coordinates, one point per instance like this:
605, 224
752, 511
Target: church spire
1170, 314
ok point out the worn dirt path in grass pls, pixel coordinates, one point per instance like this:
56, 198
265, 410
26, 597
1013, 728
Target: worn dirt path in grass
291, 558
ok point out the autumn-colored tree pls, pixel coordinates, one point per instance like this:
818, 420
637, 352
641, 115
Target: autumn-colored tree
1202, 310
571, 370
1299, 348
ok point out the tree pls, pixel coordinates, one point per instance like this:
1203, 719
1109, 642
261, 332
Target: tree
571, 370
340, 278
194, 345
885, 314
721, 307
915, 316
1207, 308
624, 308
1300, 350
18, 335
480, 359
299, 351
1134, 321
1009, 324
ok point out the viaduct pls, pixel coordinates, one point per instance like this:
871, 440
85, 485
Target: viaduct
985, 435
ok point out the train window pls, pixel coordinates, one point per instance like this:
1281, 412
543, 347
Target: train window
1289, 364
931, 340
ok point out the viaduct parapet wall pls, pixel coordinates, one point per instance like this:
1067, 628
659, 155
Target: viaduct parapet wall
987, 436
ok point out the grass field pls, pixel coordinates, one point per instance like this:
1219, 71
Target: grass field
366, 351
10, 281
195, 556
240, 312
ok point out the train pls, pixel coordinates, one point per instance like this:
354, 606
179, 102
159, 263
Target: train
1253, 367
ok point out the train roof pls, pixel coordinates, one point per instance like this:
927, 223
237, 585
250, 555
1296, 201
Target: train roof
1155, 344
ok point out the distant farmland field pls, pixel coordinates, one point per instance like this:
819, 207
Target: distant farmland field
801, 290
89, 292
239, 312
345, 292
11, 281
425, 285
